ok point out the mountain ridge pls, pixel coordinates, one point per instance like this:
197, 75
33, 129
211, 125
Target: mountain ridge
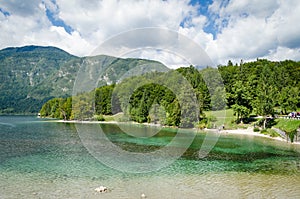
31, 75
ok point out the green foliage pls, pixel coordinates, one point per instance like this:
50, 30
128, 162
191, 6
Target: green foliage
165, 98
202, 124
196, 80
288, 99
264, 131
154, 103
290, 127
241, 112
287, 125
273, 133
256, 129
57, 108
261, 86
83, 106
32, 75
148, 101
242, 100
103, 100
270, 132
99, 118
214, 84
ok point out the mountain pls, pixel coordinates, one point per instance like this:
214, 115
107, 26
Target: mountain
31, 75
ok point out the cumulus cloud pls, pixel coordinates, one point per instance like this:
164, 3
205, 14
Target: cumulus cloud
282, 53
252, 29
25, 8
238, 30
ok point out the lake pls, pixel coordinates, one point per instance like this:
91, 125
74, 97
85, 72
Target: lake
45, 159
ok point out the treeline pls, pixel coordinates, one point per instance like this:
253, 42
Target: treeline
174, 98
262, 87
60, 108
179, 97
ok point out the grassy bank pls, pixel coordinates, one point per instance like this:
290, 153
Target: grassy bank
288, 126
224, 117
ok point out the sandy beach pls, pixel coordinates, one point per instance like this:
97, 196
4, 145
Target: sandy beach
249, 131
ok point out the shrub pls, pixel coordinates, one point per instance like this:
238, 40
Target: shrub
256, 129
201, 125
264, 131
270, 132
273, 133
99, 118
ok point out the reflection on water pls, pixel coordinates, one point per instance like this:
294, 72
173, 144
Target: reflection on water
48, 160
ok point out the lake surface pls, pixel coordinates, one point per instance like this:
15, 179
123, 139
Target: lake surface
42, 159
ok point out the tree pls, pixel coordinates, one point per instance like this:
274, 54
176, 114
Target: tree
218, 99
241, 96
66, 108
83, 106
241, 112
264, 102
288, 99
103, 100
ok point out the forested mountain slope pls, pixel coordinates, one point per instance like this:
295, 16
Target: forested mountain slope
31, 75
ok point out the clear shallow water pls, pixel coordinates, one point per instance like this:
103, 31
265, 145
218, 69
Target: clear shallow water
47, 160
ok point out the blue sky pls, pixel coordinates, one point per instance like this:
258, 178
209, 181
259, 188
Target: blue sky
225, 29
5, 13
203, 10
58, 22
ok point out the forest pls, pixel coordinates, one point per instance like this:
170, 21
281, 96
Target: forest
180, 97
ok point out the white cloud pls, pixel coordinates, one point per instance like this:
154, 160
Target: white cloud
247, 29
103, 19
282, 53
245, 40
22, 8
255, 28
286, 24
16, 28
32, 27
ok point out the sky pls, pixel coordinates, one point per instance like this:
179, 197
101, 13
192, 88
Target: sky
224, 29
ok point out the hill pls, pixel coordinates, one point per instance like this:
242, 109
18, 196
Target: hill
31, 75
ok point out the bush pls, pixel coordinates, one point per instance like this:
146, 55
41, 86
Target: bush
270, 132
273, 133
256, 129
99, 118
264, 131
201, 126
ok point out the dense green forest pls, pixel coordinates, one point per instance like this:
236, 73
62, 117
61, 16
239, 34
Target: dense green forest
261, 87
141, 99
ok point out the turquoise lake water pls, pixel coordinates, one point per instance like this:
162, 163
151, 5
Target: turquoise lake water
42, 159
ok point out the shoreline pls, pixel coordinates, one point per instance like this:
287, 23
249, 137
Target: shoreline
248, 131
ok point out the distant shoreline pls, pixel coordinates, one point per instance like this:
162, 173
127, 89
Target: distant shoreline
248, 131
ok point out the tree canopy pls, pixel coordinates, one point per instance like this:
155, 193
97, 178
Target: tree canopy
260, 87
